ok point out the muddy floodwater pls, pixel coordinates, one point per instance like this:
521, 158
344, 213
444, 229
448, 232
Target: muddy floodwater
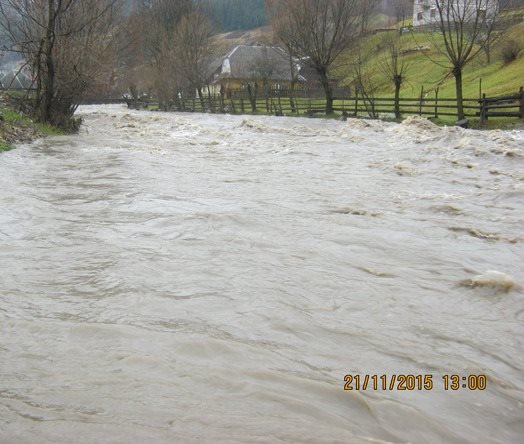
199, 278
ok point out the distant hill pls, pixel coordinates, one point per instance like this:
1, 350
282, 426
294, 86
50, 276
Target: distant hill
234, 15
228, 40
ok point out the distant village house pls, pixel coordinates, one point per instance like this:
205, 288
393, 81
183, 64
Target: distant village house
267, 68
425, 12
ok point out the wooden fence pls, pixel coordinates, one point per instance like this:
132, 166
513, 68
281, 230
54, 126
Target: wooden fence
502, 106
430, 105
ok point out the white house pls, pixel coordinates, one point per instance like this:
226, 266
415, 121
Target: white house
426, 12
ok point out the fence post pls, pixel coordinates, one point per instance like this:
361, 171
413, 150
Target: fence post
480, 87
483, 110
522, 102
421, 100
222, 104
356, 102
436, 103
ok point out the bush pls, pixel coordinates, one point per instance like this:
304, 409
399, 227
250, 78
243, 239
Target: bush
510, 51
4, 147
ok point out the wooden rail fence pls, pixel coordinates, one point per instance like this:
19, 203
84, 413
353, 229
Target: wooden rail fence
356, 106
502, 106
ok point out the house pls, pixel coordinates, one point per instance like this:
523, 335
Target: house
15, 73
268, 66
425, 12
15, 78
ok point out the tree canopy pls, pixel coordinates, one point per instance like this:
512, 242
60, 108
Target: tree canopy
232, 15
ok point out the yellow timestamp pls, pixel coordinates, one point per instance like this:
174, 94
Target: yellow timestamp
411, 382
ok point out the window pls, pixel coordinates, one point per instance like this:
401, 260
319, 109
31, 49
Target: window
433, 13
420, 16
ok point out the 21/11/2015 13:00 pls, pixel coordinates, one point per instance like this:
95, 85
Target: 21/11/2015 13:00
412, 382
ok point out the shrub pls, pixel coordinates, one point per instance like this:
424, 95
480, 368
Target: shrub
510, 51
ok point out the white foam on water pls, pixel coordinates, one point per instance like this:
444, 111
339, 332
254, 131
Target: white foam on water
493, 279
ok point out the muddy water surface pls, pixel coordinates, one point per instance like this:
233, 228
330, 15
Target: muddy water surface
192, 278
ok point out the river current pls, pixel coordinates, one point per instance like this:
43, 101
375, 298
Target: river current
212, 278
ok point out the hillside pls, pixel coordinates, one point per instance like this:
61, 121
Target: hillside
228, 40
494, 78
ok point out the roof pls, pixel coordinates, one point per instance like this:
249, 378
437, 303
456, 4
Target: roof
15, 79
14, 73
256, 62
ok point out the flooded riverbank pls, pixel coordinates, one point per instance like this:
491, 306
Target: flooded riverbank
209, 278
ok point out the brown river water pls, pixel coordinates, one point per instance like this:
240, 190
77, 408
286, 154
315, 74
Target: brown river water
200, 278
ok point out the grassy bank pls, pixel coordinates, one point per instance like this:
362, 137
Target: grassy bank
496, 77
17, 128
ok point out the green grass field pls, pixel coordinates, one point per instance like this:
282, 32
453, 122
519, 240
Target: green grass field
493, 79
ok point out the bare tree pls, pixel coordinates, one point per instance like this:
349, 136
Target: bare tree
134, 69
403, 9
66, 43
163, 16
194, 49
366, 11
270, 67
394, 67
292, 60
497, 29
294, 70
463, 27
318, 30
365, 86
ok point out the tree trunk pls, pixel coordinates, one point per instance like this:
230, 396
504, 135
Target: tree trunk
222, 94
292, 97
39, 76
44, 113
252, 97
397, 100
201, 97
266, 94
211, 101
457, 73
327, 89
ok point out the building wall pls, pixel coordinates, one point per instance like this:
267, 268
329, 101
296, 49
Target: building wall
425, 12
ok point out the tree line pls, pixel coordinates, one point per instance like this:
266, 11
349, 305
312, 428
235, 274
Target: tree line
326, 31
233, 15
66, 43
80, 47
76, 48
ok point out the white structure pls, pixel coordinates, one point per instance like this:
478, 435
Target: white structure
426, 12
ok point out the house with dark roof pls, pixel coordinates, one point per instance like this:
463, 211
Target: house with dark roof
248, 69
268, 66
